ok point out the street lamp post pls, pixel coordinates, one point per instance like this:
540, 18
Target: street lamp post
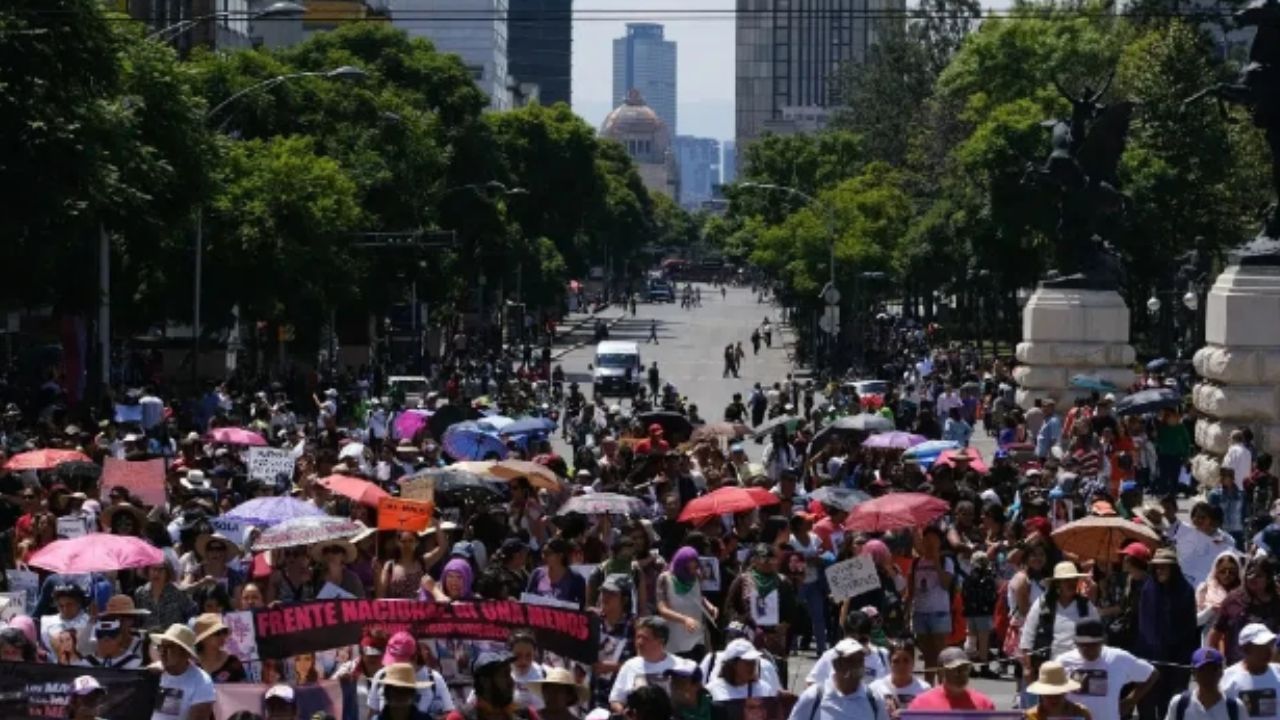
345, 72
174, 31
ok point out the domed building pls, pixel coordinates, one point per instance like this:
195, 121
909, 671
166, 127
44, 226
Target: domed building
635, 126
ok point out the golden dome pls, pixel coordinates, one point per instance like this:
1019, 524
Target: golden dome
633, 117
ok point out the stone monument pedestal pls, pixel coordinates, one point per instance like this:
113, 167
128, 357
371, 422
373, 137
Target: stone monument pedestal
1068, 332
1239, 364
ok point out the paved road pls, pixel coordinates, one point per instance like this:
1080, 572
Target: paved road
689, 353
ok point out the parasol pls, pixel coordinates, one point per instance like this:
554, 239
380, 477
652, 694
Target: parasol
895, 440
494, 423
926, 453
268, 511
725, 501
458, 487
307, 531
96, 552
951, 458
1102, 536
1148, 401
838, 497
604, 503
1092, 383
361, 491
44, 459
236, 436
730, 430
468, 441
895, 511
529, 426
539, 475
409, 422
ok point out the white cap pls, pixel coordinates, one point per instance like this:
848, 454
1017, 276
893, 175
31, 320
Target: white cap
279, 691
84, 685
598, 714
849, 647
740, 650
1256, 634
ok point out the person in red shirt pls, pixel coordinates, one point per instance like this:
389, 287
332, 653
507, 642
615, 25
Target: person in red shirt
953, 693
654, 443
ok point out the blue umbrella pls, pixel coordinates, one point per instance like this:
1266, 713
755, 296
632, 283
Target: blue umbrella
1157, 365
1148, 401
1093, 383
271, 511
927, 452
467, 441
529, 426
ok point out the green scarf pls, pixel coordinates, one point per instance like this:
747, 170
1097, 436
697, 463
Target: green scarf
765, 584
682, 587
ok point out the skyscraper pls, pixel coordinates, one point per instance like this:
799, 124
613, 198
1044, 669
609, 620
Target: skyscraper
644, 61
540, 47
474, 30
789, 55
699, 162
728, 162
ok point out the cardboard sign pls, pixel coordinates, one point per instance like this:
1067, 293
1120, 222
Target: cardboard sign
72, 527
267, 463
852, 578
24, 581
144, 479
234, 529
423, 488
764, 610
403, 515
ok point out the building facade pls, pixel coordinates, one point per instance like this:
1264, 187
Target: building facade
790, 54
474, 30
728, 162
699, 162
644, 60
637, 127
540, 47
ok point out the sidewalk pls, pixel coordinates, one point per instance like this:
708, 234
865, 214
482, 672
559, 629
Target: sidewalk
577, 329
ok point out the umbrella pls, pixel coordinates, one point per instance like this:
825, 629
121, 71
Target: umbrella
1148, 401
730, 430
494, 423
307, 531
951, 457
1102, 536
96, 552
1093, 383
268, 511
445, 417
767, 427
762, 496
408, 423
476, 467
926, 453
895, 440
895, 511
604, 503
1157, 365
236, 436
676, 428
838, 497
459, 487
529, 426
44, 459
538, 475
467, 441
362, 491
863, 422
725, 501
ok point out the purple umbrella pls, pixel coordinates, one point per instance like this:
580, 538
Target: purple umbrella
466, 441
893, 441
409, 422
270, 511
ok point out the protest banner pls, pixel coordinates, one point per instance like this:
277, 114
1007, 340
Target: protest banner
266, 463
38, 691
852, 577
24, 581
323, 696
143, 479
233, 529
283, 632
404, 515
421, 488
72, 527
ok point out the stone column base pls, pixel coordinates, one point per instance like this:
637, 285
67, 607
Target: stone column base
1072, 332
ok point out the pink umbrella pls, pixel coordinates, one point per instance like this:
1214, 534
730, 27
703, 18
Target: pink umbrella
408, 424
362, 491
44, 459
950, 458
96, 552
236, 436
893, 441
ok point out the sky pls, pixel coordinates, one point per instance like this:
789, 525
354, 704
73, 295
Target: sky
704, 59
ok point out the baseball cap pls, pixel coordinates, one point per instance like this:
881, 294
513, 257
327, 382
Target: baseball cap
1137, 551
1256, 634
280, 691
1205, 656
848, 647
740, 650
85, 685
953, 657
487, 660
401, 648
1090, 631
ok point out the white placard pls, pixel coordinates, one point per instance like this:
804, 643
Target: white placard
852, 578
333, 592
12, 604
764, 610
72, 526
24, 581
585, 571
267, 463
531, 599
241, 639
710, 569
233, 529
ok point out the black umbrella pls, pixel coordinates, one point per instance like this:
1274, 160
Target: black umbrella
676, 428
444, 417
856, 427
458, 487
838, 497
1148, 401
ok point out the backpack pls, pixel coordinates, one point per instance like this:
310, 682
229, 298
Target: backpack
871, 700
1184, 701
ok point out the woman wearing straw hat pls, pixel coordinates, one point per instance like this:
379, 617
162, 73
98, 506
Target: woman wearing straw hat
211, 641
215, 552
123, 519
1051, 689
559, 693
400, 686
333, 557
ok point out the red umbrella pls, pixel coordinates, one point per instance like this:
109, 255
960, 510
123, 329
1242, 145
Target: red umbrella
236, 436
949, 458
763, 497
96, 552
726, 500
896, 510
44, 459
362, 491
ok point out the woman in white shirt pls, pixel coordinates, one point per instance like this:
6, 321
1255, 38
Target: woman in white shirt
900, 686
809, 546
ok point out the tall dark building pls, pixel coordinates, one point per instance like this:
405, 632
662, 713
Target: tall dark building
540, 47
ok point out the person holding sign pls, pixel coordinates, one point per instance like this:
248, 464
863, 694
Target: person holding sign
760, 599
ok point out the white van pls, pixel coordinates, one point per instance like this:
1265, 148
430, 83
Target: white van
618, 370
